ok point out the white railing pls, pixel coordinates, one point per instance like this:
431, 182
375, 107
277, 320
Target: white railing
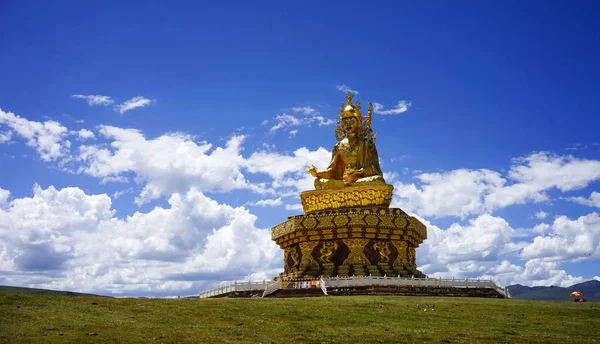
233, 287
323, 286
271, 288
354, 281
358, 281
500, 290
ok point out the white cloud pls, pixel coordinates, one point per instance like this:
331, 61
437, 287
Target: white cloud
567, 240
470, 192
68, 240
120, 193
390, 177
482, 240
94, 100
539, 172
454, 193
114, 179
540, 215
5, 136
547, 170
47, 137
541, 228
536, 272
481, 249
168, 164
289, 171
321, 121
4, 194
400, 158
133, 103
582, 147
264, 122
267, 202
346, 89
296, 206
303, 116
38, 233
285, 120
84, 134
592, 201
293, 132
401, 107
306, 110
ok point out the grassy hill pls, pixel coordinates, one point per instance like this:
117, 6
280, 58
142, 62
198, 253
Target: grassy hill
34, 291
590, 291
352, 319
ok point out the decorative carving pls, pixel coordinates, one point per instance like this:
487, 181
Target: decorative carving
309, 222
386, 221
372, 220
283, 229
401, 259
344, 220
357, 254
381, 247
306, 248
341, 220
358, 196
295, 259
411, 256
327, 250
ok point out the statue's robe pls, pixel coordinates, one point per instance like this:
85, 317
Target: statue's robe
346, 159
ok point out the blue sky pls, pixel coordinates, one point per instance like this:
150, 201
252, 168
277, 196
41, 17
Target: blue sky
136, 140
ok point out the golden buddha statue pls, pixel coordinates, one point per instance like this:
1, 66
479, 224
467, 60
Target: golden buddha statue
354, 160
348, 227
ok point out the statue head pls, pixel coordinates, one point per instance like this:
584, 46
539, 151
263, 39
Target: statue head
349, 123
350, 115
353, 122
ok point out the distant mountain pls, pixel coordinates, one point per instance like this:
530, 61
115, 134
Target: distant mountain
590, 291
35, 291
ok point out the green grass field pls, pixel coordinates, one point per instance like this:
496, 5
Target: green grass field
357, 319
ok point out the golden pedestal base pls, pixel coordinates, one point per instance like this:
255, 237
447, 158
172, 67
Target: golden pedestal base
366, 241
348, 197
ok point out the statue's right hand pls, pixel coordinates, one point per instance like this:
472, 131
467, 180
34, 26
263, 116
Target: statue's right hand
312, 170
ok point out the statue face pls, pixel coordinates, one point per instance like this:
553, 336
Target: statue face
349, 124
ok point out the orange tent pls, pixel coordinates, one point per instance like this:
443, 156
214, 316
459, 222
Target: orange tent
576, 293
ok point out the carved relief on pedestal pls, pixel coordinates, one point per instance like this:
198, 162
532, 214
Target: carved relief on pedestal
401, 259
412, 261
357, 254
382, 249
306, 249
327, 251
292, 260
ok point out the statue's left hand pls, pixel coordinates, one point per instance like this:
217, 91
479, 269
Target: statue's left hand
358, 173
355, 175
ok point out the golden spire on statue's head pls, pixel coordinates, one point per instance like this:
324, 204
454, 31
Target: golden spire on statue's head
350, 110
349, 97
